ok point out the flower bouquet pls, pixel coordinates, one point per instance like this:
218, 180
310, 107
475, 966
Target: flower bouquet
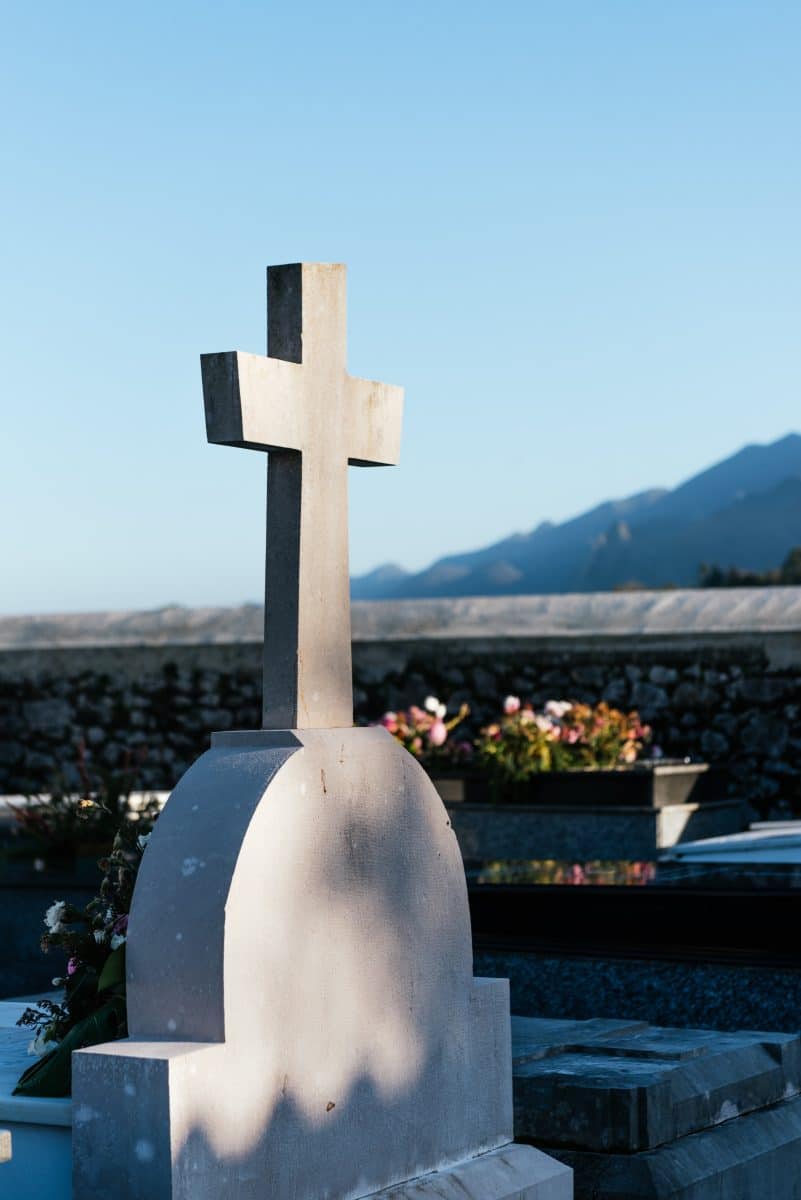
566, 736
425, 733
93, 942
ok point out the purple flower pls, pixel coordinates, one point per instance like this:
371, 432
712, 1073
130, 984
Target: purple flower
121, 924
72, 966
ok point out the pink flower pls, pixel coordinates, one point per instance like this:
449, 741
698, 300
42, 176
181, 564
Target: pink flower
545, 726
72, 966
511, 705
437, 734
390, 721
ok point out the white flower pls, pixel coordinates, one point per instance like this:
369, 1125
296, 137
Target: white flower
58, 982
142, 840
431, 704
117, 939
558, 708
511, 705
440, 713
543, 724
54, 916
100, 936
38, 1046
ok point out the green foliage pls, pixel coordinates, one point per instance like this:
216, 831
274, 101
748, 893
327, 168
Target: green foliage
565, 736
93, 941
68, 819
787, 575
51, 1075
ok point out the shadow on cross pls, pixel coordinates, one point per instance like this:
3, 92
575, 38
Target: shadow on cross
301, 999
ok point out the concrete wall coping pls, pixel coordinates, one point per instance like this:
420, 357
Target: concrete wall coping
679, 613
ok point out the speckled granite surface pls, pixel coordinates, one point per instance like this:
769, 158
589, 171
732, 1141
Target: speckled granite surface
694, 994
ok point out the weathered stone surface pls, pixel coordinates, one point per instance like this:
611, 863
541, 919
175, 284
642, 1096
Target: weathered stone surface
714, 744
622, 1088
511, 1173
336, 1035
170, 683
11, 752
765, 735
314, 419
648, 697
47, 714
663, 675
754, 1157
642, 1113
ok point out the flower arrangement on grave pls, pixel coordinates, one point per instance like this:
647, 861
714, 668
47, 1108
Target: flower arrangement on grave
565, 736
70, 818
425, 732
597, 873
92, 940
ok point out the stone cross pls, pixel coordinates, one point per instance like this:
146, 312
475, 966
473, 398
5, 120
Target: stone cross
313, 418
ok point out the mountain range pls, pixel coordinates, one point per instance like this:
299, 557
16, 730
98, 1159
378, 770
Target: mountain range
744, 511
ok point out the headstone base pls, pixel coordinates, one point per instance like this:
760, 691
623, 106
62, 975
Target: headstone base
509, 1173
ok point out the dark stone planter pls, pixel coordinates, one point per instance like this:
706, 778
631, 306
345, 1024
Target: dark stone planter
641, 786
583, 816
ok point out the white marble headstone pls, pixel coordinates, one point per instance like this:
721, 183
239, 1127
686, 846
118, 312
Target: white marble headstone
304, 1021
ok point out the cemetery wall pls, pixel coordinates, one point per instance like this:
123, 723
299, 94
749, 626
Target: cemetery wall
718, 676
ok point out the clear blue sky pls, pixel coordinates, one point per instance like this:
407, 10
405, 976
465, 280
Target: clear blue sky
572, 233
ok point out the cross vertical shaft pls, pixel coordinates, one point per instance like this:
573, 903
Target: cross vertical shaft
307, 651
301, 406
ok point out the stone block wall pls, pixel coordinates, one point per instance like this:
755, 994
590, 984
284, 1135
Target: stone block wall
721, 703
730, 694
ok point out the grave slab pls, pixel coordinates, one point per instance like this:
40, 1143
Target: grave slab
757, 1156
640, 1111
40, 1133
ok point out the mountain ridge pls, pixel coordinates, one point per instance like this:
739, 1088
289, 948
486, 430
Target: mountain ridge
743, 511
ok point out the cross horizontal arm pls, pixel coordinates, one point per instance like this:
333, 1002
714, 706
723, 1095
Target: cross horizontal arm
253, 401
375, 425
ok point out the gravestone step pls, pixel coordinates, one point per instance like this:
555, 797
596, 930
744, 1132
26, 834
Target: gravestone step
756, 1157
640, 1111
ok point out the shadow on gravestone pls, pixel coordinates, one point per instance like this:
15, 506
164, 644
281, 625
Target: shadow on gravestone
303, 1017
